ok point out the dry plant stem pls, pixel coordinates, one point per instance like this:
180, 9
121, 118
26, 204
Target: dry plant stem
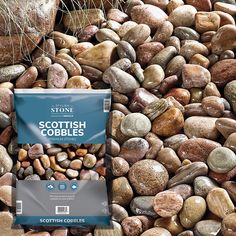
22, 25
21, 28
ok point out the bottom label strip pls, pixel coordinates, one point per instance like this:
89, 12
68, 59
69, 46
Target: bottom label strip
63, 221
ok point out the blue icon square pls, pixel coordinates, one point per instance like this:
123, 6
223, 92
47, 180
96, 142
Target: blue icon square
62, 186
74, 186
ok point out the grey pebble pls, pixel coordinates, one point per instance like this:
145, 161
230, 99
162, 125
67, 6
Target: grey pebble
125, 50
9, 73
32, 177
6, 162
143, 206
184, 33
203, 185
4, 120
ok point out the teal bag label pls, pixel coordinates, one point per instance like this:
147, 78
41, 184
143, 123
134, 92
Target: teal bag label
59, 116
62, 203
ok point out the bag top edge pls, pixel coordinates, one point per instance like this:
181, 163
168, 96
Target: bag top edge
61, 91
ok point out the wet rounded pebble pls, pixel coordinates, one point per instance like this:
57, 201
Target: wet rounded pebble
134, 149
213, 106
122, 192
143, 205
132, 226
228, 226
172, 224
167, 203
35, 151
201, 127
57, 76
206, 227
193, 210
6, 100
89, 160
168, 158
141, 176
203, 185
6, 162
169, 123
219, 202
118, 213
158, 231
4, 120
221, 160
135, 125
187, 173
120, 166
184, 190
196, 149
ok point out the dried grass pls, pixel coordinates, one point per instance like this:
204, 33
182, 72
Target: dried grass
15, 25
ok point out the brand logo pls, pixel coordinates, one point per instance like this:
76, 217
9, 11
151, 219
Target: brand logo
62, 109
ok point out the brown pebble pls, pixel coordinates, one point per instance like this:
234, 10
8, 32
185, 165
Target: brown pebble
201, 127
117, 15
225, 7
223, 72
89, 160
173, 4
155, 144
220, 178
231, 142
132, 226
180, 94
148, 14
213, 105
219, 202
120, 166
27, 79
141, 176
164, 32
172, 224
157, 231
230, 187
38, 167
45, 161
226, 126
7, 195
228, 226
207, 21
224, 39
193, 210
201, 5
195, 76
196, 149
59, 176
76, 164
168, 158
134, 149
145, 52
169, 123
168, 83
8, 179
200, 60
187, 173
122, 192
184, 190
167, 203
81, 152
134, 36
211, 90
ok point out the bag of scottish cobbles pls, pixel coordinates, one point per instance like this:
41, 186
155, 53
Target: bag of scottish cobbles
62, 139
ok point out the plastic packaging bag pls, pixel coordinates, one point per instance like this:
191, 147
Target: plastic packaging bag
71, 121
